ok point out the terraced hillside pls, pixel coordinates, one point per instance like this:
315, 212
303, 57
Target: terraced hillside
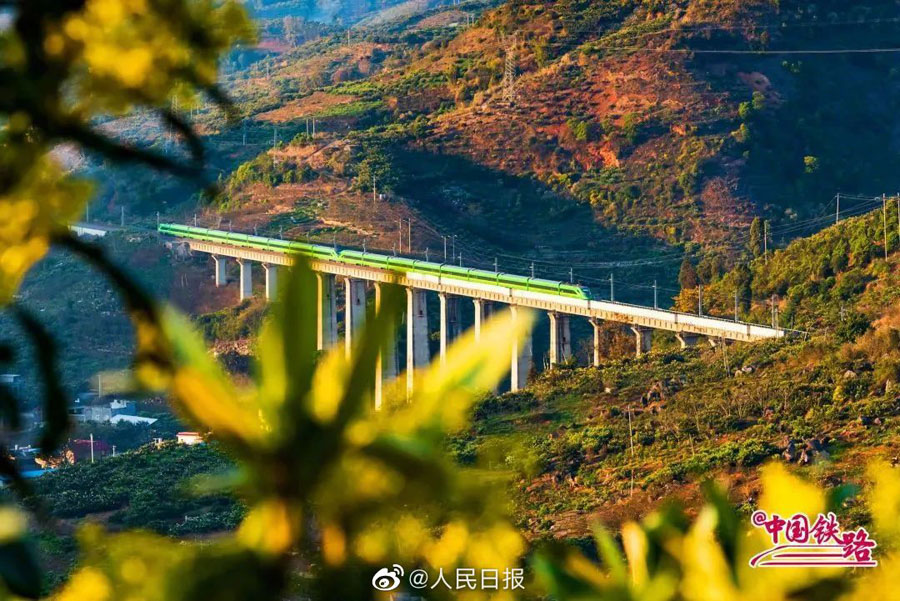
610, 443
575, 132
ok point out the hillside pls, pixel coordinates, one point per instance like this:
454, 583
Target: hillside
628, 144
730, 158
91, 327
609, 443
648, 121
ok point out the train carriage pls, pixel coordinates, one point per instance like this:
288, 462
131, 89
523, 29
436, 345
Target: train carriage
396, 264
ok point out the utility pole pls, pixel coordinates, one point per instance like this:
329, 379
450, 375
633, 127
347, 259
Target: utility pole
509, 71
532, 270
655, 290
496, 270
631, 440
571, 276
837, 209
92, 447
460, 259
612, 291
898, 217
766, 241
195, 219
724, 354
445, 248
453, 242
884, 222
735, 305
409, 235
773, 310
400, 235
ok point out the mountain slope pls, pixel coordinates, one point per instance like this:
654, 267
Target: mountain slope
609, 443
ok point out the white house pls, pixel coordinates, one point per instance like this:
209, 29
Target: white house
132, 419
189, 438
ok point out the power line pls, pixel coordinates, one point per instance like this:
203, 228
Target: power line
755, 52
755, 27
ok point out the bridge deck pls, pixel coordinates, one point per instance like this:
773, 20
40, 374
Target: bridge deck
634, 315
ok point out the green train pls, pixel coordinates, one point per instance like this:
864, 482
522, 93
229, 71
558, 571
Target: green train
400, 265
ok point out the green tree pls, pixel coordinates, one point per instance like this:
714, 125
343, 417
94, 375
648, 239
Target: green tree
581, 130
744, 285
810, 164
756, 244
687, 275
630, 127
377, 163
759, 101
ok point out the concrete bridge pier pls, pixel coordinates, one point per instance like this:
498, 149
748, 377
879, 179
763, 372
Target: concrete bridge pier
643, 339
595, 325
483, 310
687, 340
560, 338
221, 277
326, 309
355, 310
246, 281
386, 367
417, 352
521, 360
450, 322
271, 281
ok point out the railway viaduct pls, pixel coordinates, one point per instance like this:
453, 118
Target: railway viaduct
450, 289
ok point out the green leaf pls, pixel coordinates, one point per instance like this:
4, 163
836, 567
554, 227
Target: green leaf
56, 401
9, 407
728, 524
611, 555
19, 569
839, 494
297, 312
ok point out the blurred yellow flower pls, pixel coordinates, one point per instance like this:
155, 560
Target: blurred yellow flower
87, 584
